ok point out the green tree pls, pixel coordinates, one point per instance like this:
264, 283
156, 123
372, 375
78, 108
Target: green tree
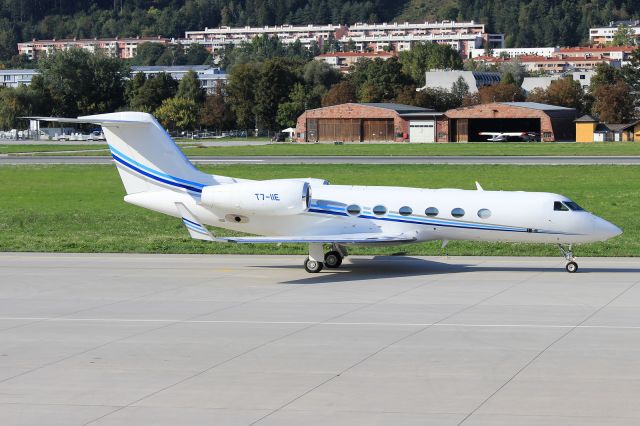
83, 83
272, 88
178, 114
427, 56
288, 112
190, 88
147, 54
377, 80
153, 92
241, 89
631, 75
197, 54
216, 112
624, 36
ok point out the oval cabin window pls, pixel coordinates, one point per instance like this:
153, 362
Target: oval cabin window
379, 210
457, 212
431, 212
405, 211
354, 210
484, 213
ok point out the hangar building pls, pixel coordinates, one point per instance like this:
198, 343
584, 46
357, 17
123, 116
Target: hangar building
552, 123
372, 122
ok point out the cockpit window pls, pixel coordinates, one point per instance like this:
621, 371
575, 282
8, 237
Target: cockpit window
560, 207
574, 206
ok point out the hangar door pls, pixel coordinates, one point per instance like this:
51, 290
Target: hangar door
422, 131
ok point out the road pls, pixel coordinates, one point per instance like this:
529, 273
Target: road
520, 160
158, 340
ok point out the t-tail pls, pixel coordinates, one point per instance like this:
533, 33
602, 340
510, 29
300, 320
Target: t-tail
147, 158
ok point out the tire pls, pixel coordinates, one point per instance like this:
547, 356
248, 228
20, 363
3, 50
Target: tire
332, 260
571, 267
312, 266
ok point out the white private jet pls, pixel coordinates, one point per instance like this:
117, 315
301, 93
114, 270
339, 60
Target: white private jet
157, 176
511, 136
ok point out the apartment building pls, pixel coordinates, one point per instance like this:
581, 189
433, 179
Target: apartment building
122, 48
556, 64
215, 39
514, 52
462, 36
16, 78
604, 35
343, 60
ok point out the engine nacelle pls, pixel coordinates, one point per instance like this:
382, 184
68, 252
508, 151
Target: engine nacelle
278, 197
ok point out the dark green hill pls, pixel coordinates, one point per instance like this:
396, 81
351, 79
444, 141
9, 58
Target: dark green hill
526, 22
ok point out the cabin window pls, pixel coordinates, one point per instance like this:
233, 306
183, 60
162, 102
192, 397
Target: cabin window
379, 210
405, 211
560, 207
431, 212
573, 206
354, 210
484, 213
457, 212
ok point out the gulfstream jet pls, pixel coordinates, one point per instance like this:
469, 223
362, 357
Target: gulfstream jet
157, 176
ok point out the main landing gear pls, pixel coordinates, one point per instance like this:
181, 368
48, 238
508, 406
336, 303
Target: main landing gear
571, 265
332, 259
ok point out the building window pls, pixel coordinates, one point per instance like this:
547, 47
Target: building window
431, 212
457, 212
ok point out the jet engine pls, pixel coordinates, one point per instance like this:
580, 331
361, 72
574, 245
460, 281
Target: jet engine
277, 197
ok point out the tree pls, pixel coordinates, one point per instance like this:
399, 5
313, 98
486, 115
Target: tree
216, 111
565, 92
190, 88
83, 83
631, 75
501, 92
624, 36
272, 88
178, 113
288, 112
14, 103
427, 56
197, 54
377, 80
460, 89
613, 103
148, 54
340, 93
241, 93
153, 92
512, 72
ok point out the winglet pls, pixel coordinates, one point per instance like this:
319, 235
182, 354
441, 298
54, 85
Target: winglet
195, 228
478, 187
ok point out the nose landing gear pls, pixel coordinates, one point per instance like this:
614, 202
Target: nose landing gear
572, 265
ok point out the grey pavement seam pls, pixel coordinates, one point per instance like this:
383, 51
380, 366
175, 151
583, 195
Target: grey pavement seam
539, 354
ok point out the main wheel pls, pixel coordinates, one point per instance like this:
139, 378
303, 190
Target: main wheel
571, 267
312, 266
332, 259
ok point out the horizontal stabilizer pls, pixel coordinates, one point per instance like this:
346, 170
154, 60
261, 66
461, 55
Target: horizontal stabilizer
113, 119
195, 228
329, 239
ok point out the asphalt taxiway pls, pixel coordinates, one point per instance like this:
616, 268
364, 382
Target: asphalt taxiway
238, 340
344, 159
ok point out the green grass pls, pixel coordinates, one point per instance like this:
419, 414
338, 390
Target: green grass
476, 149
80, 208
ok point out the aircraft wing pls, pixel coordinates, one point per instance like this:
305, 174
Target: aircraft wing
365, 238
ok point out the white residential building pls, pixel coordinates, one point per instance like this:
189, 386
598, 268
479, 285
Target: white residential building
16, 78
545, 52
604, 35
214, 39
444, 79
123, 48
462, 36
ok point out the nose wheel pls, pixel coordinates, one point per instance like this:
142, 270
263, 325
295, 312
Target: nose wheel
572, 265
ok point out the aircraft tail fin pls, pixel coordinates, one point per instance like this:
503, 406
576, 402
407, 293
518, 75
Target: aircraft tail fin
146, 156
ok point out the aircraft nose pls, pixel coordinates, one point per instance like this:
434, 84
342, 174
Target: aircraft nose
606, 229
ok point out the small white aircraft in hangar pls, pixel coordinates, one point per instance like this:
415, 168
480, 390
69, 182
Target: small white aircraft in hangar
157, 176
511, 136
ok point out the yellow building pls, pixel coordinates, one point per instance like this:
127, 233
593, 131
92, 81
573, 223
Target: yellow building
586, 129
589, 129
